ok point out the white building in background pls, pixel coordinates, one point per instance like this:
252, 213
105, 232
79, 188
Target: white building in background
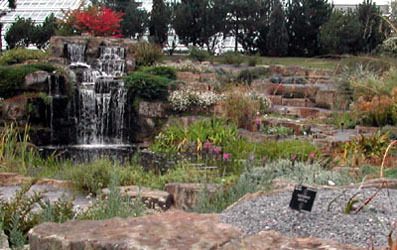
37, 10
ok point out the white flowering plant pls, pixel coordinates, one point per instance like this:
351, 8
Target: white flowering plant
183, 100
264, 102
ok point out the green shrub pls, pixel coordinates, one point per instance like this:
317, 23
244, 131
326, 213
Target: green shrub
303, 172
115, 205
226, 196
164, 71
254, 60
148, 87
176, 138
248, 75
199, 54
90, 177
20, 55
240, 108
13, 77
147, 54
232, 57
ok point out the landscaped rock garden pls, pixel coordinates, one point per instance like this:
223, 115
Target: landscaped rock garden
219, 150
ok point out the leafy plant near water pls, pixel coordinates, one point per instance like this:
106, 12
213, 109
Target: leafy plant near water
176, 138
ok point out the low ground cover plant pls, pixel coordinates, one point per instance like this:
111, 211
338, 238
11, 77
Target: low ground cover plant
20, 55
163, 71
148, 87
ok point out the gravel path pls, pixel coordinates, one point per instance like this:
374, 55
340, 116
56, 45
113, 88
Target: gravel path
273, 213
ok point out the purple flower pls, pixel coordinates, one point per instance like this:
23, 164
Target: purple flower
257, 121
264, 159
293, 157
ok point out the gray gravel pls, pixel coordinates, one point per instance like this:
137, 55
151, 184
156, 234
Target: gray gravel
273, 213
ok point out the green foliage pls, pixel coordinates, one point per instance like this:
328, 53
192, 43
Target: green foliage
240, 108
199, 55
13, 77
42, 33
371, 25
346, 119
20, 33
194, 21
20, 55
304, 173
341, 34
304, 19
243, 149
160, 18
226, 196
19, 216
232, 57
247, 21
114, 205
277, 36
164, 71
248, 75
90, 177
135, 21
59, 211
176, 138
147, 54
277, 130
148, 87
254, 60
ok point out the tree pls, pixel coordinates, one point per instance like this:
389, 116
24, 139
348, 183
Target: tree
160, 18
341, 34
42, 33
246, 20
277, 37
20, 33
97, 20
370, 20
196, 22
304, 19
12, 4
134, 22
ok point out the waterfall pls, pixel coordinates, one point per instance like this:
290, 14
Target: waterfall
76, 52
101, 99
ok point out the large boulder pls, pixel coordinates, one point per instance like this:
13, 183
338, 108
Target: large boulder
171, 230
36, 81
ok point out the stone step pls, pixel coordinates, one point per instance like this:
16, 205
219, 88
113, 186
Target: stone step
302, 112
297, 102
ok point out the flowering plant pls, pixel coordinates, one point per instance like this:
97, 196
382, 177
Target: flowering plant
183, 100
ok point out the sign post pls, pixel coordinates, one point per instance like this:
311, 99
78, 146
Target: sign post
303, 198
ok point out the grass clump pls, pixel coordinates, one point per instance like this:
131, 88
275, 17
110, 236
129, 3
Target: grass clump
248, 75
199, 54
20, 55
148, 87
163, 71
232, 57
147, 54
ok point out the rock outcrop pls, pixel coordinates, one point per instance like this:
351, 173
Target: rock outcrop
171, 230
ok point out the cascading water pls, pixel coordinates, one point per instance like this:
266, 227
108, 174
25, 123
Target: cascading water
100, 111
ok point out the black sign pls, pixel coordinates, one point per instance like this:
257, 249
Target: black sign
303, 198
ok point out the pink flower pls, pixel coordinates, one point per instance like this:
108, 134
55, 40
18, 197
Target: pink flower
226, 156
207, 145
217, 150
293, 157
257, 121
311, 155
264, 159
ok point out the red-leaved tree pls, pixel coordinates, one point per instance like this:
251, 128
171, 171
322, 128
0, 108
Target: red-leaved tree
96, 20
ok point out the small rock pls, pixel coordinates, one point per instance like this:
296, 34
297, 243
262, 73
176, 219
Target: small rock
3, 241
151, 197
36, 81
185, 194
